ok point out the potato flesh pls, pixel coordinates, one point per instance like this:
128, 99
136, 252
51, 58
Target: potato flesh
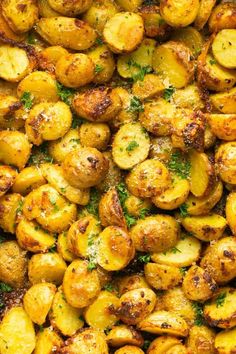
179, 13
224, 48
12, 70
201, 174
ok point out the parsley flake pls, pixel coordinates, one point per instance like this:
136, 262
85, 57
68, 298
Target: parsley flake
135, 105
98, 68
175, 250
123, 195
168, 93
199, 320
92, 206
132, 145
141, 70
108, 287
212, 61
65, 93
5, 288
144, 258
179, 164
183, 210
27, 100
220, 299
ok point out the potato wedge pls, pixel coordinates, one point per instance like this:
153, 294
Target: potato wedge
204, 13
173, 60
110, 210
179, 13
160, 322
223, 125
224, 48
225, 158
223, 16
186, 251
47, 340
225, 341
190, 37
130, 145
161, 276
225, 102
230, 210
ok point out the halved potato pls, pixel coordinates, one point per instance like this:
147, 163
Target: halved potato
162, 276
74, 8
110, 210
225, 341
160, 322
103, 59
230, 210
7, 178
185, 253
60, 148
173, 61
28, 179
130, 145
62, 247
47, 340
204, 13
10, 211
179, 13
223, 16
151, 86
224, 48
6, 31
225, 158
161, 344
122, 334
129, 349
154, 24
190, 37
189, 97
201, 340
131, 282
223, 125
225, 102
206, 228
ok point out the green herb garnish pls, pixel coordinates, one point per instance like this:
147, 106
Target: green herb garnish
123, 195
175, 250
98, 68
5, 288
199, 320
168, 93
27, 100
65, 93
146, 344
92, 206
220, 299
91, 265
141, 70
108, 287
144, 258
132, 146
183, 209
20, 207
135, 105
212, 61
179, 164
143, 213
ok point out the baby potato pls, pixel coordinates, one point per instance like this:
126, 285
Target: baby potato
190, 37
70, 8
178, 349
64, 317
224, 48
161, 344
219, 260
137, 207
225, 101
62, 248
98, 104
155, 233
131, 282
223, 125
59, 149
7, 178
174, 196
41, 86
179, 13
201, 340
28, 179
98, 315
7, 32
20, 15
198, 285
32, 237
157, 117
43, 117
204, 13
110, 210
130, 145
14, 148
148, 179
225, 341
104, 63
186, 251
230, 210
129, 349
54, 175
154, 24
10, 208
88, 341
114, 248
223, 16
46, 341
188, 97
135, 305
131, 5
70, 33
75, 70
80, 285
164, 322
45, 9
206, 228
82, 235
13, 264
122, 335
225, 158
46, 267
113, 176
161, 148
161, 276
222, 316
123, 32
38, 300
85, 167
96, 135
151, 86
17, 335
99, 13
50, 56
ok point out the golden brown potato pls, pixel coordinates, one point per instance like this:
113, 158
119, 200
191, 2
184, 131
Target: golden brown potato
230, 210
204, 13
161, 276
98, 315
115, 248
49, 57
154, 25
10, 107
67, 32
45, 9
20, 15
155, 233
224, 49
17, 333
47, 340
7, 178
151, 86
70, 8
126, 115
104, 63
206, 228
62, 248
157, 117
179, 13
113, 176
85, 167
10, 211
41, 85
96, 135
75, 70
129, 349
148, 179
223, 125
64, 317
110, 210
225, 162
28, 179
173, 60
88, 341
198, 285
190, 37
43, 117
225, 341
188, 97
123, 32
49, 267
137, 207
98, 104
38, 301
161, 344
225, 101
160, 322
223, 16
201, 340
13, 264
131, 282
135, 305
80, 284
122, 335
161, 148
130, 145
219, 260
220, 311
7, 32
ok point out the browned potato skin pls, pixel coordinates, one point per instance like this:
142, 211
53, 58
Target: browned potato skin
179, 13
162, 277
50, 56
7, 178
96, 135
223, 16
85, 167
110, 210
69, 8
113, 176
6, 31
13, 264
201, 340
230, 210
198, 285
123, 335
27, 180
10, 205
131, 282
129, 349
97, 105
225, 162
154, 25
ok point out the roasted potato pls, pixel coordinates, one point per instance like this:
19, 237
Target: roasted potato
224, 49
188, 97
154, 24
50, 56
190, 37
7, 178
161, 148
104, 63
113, 176
70, 9
151, 86
201, 340
224, 101
28, 179
179, 13
129, 349
204, 13
122, 335
223, 16
131, 282
62, 247
223, 125
230, 210
7, 32
225, 162
225, 341
110, 209
10, 211
161, 276
47, 340
96, 135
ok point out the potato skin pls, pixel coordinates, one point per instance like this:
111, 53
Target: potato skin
129, 349
49, 57
225, 341
230, 210
223, 125
70, 9
201, 340
96, 135
177, 13
110, 210
225, 162
161, 344
162, 277
123, 335
47, 340
28, 179
103, 59
10, 211
154, 24
7, 178
225, 101
223, 16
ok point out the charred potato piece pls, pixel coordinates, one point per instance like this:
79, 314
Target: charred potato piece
161, 276
7, 178
225, 162
201, 340
110, 210
62, 248
179, 13
113, 176
223, 16
70, 8
161, 344
28, 179
224, 48
230, 210
122, 335
225, 101
96, 135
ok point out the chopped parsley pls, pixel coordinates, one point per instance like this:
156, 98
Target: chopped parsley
91, 238
20, 207
212, 61
65, 93
99, 41
132, 146
146, 344
98, 68
179, 164
135, 105
31, 38
123, 195
108, 287
27, 100
141, 70
63, 189
175, 250
92, 206
40, 155
199, 320
168, 93
183, 270
91, 265
220, 299
52, 249
5, 288
143, 213
183, 210
144, 258
41, 328
2, 239
76, 122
